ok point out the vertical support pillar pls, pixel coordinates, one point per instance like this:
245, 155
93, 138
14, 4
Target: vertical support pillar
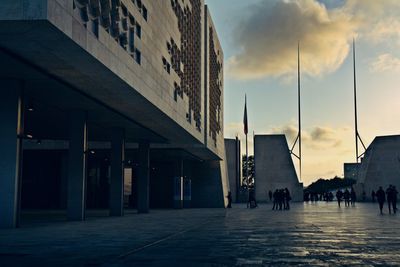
11, 117
143, 178
77, 161
117, 172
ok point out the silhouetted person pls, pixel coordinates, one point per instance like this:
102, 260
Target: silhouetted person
339, 195
373, 195
275, 196
389, 197
380, 197
229, 197
287, 199
346, 196
270, 195
330, 196
353, 197
252, 199
280, 198
394, 200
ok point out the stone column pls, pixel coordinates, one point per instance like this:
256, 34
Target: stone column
11, 114
117, 172
143, 178
77, 161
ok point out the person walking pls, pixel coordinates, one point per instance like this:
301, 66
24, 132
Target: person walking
380, 197
275, 196
280, 198
270, 195
353, 196
339, 195
346, 196
394, 199
373, 195
389, 198
229, 197
287, 199
252, 199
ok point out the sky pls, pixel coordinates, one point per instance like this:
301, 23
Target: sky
259, 39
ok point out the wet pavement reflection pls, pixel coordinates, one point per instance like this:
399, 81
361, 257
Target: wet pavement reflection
317, 234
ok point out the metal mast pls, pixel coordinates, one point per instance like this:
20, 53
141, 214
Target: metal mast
356, 133
355, 100
298, 138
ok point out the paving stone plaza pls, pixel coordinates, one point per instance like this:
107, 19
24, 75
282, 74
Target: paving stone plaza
309, 234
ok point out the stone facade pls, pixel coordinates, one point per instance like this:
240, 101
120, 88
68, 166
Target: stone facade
143, 79
233, 160
274, 167
154, 52
380, 166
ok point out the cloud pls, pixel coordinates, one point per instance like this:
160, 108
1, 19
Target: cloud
322, 134
290, 131
385, 62
268, 39
315, 138
378, 20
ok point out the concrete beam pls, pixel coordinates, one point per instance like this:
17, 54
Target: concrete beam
117, 172
11, 114
77, 161
143, 178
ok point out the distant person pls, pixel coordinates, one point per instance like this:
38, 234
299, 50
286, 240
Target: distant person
275, 196
380, 197
353, 196
280, 198
389, 197
339, 195
287, 199
394, 200
252, 199
270, 195
330, 196
373, 195
229, 197
346, 196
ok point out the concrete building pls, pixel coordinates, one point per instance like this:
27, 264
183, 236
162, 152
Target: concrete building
93, 91
274, 168
234, 166
380, 166
350, 170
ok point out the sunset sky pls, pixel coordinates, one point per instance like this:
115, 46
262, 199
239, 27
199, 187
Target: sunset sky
259, 39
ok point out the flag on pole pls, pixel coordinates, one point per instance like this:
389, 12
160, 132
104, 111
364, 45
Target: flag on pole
246, 127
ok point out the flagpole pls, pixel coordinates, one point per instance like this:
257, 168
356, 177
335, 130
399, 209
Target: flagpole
245, 124
247, 168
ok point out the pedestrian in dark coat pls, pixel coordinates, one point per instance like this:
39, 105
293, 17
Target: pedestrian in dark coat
353, 197
389, 198
339, 195
287, 198
380, 197
394, 200
346, 196
229, 197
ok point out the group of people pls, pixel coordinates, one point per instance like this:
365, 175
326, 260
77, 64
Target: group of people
281, 199
314, 197
390, 196
347, 196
